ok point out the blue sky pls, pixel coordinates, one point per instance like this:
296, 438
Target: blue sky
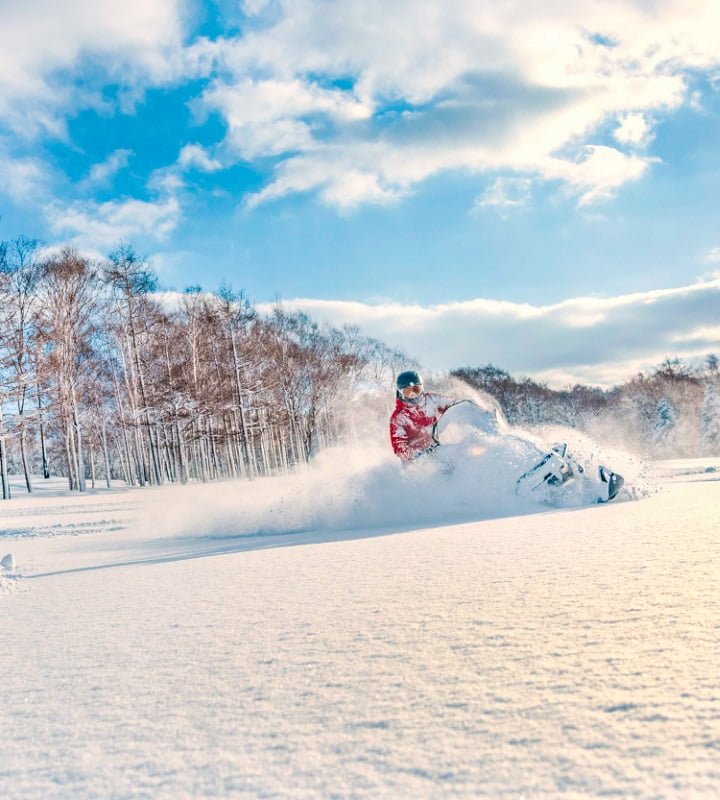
411, 167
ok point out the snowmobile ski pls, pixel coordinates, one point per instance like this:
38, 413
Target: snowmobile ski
552, 470
614, 483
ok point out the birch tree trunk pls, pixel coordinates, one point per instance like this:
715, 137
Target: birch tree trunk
106, 455
43, 447
3, 461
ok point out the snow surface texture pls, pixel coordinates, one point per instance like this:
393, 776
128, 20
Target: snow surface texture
180, 648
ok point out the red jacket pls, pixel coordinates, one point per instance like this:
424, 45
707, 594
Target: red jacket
411, 424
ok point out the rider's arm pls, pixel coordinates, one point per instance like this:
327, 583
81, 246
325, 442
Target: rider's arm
399, 439
442, 402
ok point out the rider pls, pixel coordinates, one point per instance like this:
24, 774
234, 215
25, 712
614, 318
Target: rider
416, 411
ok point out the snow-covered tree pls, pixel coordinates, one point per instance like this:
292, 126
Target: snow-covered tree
710, 419
665, 422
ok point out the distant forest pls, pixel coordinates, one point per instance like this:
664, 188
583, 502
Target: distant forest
103, 377
671, 412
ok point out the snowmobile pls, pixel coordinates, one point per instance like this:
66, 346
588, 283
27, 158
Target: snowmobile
547, 474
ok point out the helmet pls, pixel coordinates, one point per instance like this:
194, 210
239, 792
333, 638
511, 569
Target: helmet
408, 380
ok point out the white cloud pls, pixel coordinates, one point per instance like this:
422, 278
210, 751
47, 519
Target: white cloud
505, 194
712, 256
360, 100
592, 175
101, 173
703, 334
597, 173
97, 226
339, 185
23, 180
393, 92
593, 340
194, 156
269, 117
43, 42
633, 129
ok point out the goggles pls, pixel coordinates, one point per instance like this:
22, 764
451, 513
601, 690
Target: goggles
414, 390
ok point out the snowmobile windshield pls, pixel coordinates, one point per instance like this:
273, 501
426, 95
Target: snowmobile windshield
463, 421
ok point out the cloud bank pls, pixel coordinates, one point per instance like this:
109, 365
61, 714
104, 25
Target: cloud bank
360, 100
598, 341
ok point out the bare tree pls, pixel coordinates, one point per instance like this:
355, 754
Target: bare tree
67, 323
127, 386
21, 273
132, 281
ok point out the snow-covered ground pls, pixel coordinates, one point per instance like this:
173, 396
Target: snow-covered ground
356, 630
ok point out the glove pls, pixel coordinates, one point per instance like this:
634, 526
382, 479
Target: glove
428, 450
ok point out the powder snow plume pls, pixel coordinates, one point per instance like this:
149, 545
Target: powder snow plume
356, 487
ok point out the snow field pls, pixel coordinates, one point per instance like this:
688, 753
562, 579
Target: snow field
191, 653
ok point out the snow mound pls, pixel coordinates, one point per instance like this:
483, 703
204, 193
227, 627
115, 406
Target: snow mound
9, 580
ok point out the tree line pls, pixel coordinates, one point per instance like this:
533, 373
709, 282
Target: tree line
671, 411
103, 377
